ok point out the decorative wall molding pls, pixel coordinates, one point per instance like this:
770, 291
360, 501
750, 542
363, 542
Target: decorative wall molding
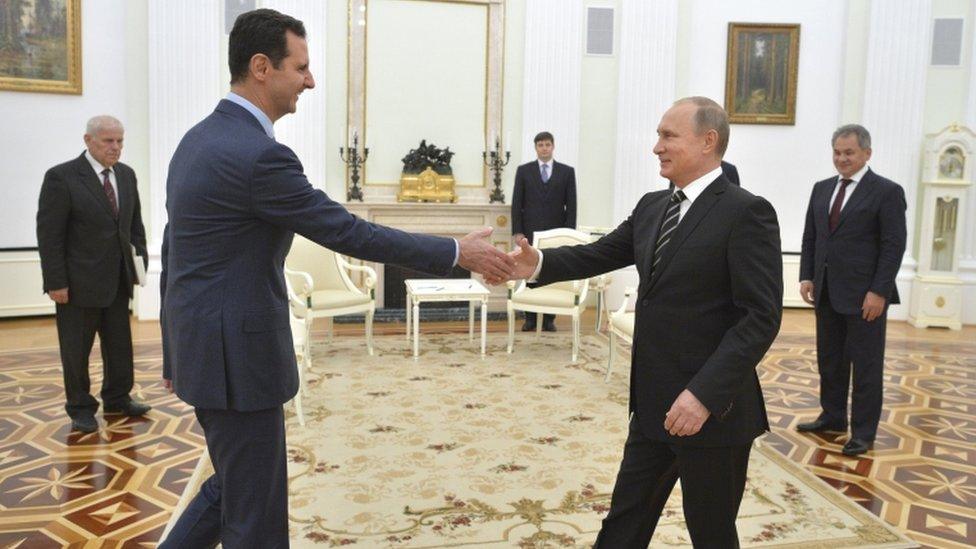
894, 93
304, 130
185, 74
648, 64
969, 231
20, 293
552, 76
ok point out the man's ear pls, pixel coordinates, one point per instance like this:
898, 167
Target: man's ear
711, 141
259, 66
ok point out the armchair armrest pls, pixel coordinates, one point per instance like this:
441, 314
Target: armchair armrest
299, 298
370, 281
629, 292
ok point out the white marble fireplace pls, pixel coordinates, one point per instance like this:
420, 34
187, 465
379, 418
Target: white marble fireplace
453, 220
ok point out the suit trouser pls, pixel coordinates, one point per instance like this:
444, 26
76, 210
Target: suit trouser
843, 340
712, 482
77, 327
244, 504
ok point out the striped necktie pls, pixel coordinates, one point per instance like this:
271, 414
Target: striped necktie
671, 218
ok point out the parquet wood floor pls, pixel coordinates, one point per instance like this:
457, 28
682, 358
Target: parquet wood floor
116, 487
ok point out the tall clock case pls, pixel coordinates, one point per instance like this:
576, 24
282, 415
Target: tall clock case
948, 172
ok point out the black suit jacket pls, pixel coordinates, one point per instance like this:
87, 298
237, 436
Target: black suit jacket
82, 246
706, 317
865, 251
537, 206
730, 172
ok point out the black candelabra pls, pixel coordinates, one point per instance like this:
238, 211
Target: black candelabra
353, 160
493, 160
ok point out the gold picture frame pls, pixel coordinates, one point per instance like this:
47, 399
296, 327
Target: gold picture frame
761, 73
40, 47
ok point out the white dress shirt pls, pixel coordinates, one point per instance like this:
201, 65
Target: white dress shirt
97, 166
850, 188
694, 189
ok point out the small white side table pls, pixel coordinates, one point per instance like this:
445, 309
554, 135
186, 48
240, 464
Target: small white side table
450, 289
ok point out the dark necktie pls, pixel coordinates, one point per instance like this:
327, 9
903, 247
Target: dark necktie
838, 202
671, 218
110, 192
545, 173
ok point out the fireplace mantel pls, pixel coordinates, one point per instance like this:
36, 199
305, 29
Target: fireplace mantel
453, 220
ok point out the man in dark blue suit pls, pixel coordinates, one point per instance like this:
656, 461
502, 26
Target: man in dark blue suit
544, 198
853, 245
235, 198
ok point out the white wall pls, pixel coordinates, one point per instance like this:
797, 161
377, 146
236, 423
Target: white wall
44, 129
780, 163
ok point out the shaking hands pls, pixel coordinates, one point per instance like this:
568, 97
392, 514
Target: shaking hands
480, 256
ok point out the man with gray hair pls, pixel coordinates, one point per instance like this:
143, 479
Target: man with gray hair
708, 307
88, 221
853, 244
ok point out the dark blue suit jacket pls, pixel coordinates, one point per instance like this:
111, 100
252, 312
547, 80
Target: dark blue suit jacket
864, 252
235, 198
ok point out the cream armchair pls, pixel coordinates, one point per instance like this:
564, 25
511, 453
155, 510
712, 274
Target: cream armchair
332, 292
621, 326
559, 298
301, 332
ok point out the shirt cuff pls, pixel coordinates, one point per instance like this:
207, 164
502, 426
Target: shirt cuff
538, 268
457, 252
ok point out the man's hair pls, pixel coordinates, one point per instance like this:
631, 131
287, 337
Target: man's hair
259, 31
863, 137
710, 116
102, 122
543, 136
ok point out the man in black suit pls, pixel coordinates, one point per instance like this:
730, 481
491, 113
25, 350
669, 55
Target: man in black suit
88, 219
853, 244
544, 197
708, 307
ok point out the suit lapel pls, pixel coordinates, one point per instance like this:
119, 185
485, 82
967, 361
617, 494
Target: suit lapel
91, 182
821, 210
862, 189
698, 211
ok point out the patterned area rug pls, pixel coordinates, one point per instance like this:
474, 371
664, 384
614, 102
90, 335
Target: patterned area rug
515, 450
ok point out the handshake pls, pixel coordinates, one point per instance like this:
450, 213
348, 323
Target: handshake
478, 255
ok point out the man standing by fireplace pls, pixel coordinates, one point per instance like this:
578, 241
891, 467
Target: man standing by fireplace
544, 198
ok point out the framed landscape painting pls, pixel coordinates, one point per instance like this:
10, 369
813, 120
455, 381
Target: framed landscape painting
761, 68
40, 46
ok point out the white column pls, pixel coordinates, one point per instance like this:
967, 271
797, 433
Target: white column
553, 66
969, 231
648, 44
185, 74
304, 131
894, 104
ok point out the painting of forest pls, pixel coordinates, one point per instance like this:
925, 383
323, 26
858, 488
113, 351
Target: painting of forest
761, 83
39, 45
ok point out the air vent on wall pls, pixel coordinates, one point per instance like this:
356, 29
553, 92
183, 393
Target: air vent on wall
599, 31
947, 42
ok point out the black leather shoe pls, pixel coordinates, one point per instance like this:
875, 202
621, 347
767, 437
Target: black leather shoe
819, 425
549, 326
131, 408
856, 446
528, 327
85, 424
